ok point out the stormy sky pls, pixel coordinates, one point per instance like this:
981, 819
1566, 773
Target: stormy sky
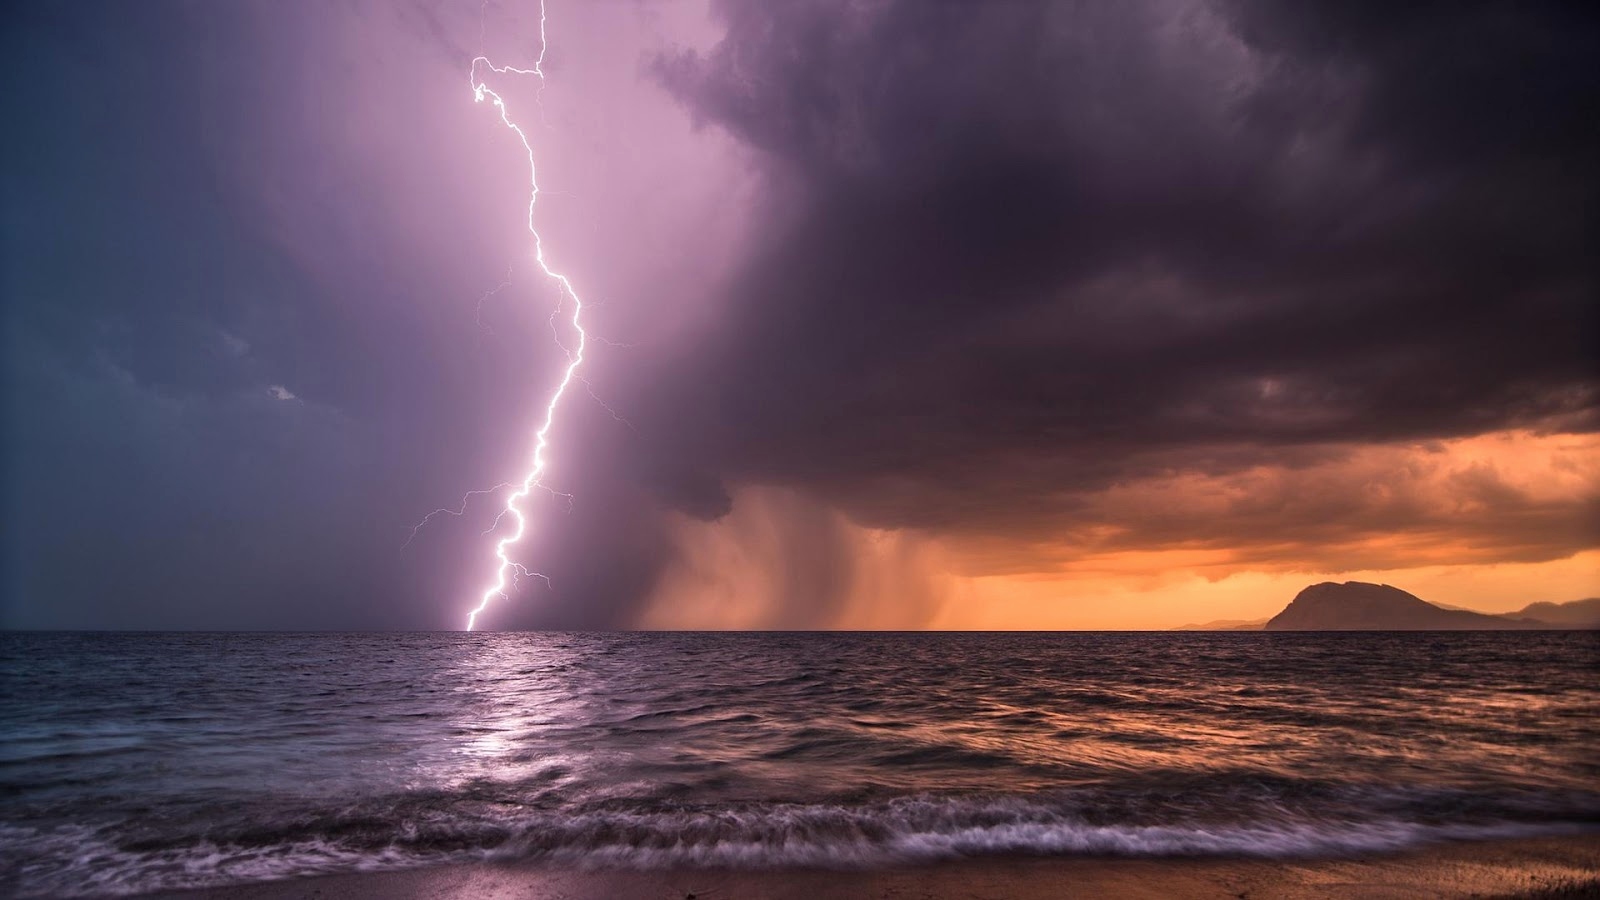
905, 314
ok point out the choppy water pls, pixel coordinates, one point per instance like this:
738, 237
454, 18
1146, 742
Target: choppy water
147, 761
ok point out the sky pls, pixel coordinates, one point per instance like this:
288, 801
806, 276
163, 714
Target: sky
902, 315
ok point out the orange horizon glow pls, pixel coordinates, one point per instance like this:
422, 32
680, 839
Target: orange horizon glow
1490, 523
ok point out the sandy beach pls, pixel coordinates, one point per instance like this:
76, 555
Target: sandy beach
1566, 867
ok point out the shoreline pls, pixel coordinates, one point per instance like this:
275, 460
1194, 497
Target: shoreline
1534, 868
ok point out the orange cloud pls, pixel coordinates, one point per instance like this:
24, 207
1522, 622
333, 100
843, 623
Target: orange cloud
1504, 497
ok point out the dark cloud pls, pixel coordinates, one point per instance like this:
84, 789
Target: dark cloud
1020, 252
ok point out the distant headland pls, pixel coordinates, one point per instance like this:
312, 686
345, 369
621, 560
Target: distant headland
1360, 606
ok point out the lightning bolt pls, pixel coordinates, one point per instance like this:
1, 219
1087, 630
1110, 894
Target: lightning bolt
508, 570
458, 511
494, 291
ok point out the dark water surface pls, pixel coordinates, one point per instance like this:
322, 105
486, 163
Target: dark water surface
133, 762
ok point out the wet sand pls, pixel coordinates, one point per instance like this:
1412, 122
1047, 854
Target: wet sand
1567, 867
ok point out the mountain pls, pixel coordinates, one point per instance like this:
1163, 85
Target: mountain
1577, 614
1358, 606
1226, 625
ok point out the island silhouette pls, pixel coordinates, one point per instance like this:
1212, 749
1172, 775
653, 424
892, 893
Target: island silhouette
1363, 606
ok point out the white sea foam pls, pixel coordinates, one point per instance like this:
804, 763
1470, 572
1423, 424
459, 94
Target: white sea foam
908, 830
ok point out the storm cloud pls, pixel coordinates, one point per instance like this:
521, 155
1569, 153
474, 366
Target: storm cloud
1019, 254
1006, 285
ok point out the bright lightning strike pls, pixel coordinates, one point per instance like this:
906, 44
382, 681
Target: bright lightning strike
508, 570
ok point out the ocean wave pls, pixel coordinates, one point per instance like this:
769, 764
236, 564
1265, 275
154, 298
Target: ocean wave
74, 861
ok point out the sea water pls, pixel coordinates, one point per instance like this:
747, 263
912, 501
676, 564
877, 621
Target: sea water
136, 762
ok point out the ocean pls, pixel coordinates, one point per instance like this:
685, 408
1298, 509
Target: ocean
140, 762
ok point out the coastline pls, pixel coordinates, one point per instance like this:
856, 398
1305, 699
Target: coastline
1534, 868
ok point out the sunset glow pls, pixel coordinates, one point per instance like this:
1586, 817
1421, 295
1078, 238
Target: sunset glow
1490, 522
